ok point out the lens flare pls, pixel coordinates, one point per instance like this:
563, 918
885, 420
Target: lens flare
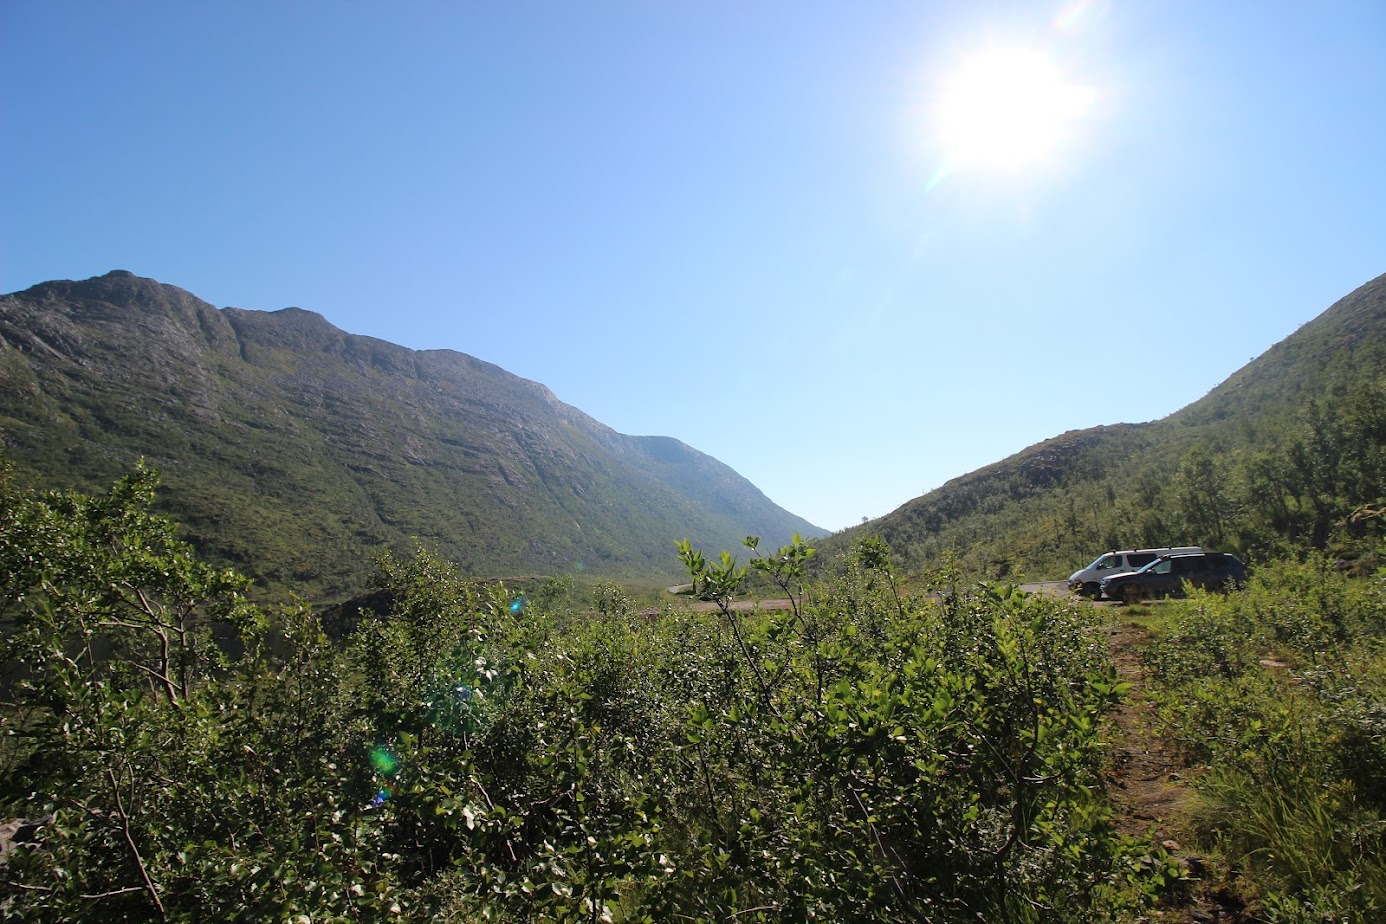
383, 761
1076, 14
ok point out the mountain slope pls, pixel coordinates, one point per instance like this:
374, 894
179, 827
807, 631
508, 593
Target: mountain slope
295, 450
1275, 453
1346, 342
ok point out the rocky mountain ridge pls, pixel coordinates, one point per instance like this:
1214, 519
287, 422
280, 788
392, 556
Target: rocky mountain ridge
294, 449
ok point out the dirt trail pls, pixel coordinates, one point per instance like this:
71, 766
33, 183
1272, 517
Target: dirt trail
1148, 785
1145, 777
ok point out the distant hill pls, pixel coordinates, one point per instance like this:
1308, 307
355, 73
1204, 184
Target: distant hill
1283, 452
294, 450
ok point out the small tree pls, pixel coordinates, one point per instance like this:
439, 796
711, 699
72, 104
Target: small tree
170, 769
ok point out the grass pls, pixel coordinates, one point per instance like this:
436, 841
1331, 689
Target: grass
1277, 693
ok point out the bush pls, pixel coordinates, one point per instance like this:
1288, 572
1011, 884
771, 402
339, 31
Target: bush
1278, 691
467, 753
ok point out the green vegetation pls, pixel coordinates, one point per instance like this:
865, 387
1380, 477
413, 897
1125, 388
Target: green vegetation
292, 451
1289, 452
864, 755
1278, 696
896, 743
1310, 479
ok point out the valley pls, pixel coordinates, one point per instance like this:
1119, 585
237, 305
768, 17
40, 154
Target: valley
360, 720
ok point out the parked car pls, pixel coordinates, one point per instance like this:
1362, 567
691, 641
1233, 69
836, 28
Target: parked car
1088, 581
1168, 574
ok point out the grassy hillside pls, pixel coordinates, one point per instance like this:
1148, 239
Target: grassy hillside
1287, 451
295, 450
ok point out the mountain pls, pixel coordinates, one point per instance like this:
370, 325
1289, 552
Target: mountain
294, 450
1286, 450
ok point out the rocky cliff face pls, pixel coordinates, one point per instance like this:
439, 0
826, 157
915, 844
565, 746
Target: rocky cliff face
294, 449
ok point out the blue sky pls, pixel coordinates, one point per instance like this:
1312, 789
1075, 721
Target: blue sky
750, 226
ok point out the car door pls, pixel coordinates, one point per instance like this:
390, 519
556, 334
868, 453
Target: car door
1160, 578
1224, 570
1196, 569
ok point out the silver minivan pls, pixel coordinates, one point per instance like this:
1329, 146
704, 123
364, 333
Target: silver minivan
1088, 581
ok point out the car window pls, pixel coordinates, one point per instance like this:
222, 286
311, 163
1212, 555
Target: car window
1190, 565
1141, 559
1160, 567
1111, 561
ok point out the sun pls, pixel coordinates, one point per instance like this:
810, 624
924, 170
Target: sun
1008, 107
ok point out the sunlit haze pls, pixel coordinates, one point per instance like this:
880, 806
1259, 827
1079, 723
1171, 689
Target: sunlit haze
851, 250
1009, 107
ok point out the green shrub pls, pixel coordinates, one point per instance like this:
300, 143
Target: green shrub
470, 753
1278, 692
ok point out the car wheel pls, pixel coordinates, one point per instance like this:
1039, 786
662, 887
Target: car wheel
1093, 590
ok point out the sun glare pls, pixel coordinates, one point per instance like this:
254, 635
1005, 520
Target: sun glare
1008, 108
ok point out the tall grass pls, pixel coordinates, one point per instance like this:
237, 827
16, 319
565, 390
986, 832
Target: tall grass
1279, 692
